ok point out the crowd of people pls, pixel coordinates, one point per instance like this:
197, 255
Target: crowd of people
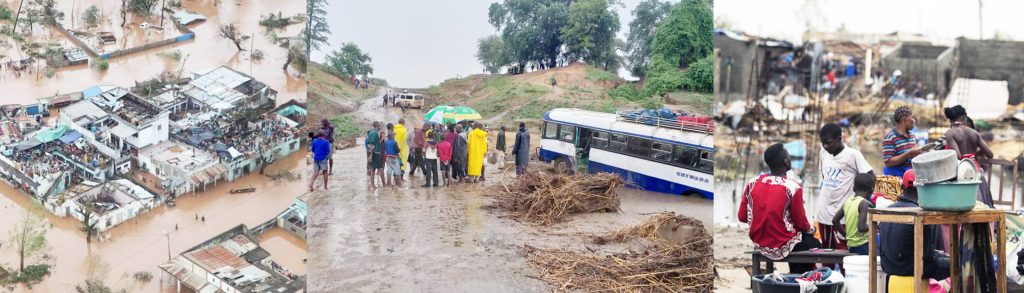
773, 203
445, 154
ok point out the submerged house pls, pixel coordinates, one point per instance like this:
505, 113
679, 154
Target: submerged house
232, 262
109, 203
181, 168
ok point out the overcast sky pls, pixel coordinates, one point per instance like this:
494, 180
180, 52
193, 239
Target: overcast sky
943, 20
417, 43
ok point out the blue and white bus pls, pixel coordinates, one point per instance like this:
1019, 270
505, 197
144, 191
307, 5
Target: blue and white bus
656, 155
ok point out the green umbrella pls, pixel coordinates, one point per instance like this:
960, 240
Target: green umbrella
463, 113
438, 115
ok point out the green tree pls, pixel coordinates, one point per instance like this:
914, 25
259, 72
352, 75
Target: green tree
29, 237
681, 39
646, 16
231, 32
143, 7
296, 55
91, 15
46, 11
531, 29
491, 53
684, 36
589, 33
88, 223
316, 30
349, 61
699, 77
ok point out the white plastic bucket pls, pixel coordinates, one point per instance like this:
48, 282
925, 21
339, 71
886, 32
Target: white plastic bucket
857, 280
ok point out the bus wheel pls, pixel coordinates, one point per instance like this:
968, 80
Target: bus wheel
561, 166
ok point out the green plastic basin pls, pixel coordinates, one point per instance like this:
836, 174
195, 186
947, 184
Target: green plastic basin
948, 196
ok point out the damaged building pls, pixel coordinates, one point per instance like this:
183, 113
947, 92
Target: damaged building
232, 262
109, 203
181, 168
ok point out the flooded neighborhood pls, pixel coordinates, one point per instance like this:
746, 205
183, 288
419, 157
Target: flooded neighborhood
145, 149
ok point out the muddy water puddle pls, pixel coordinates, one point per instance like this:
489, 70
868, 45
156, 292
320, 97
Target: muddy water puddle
208, 50
140, 245
440, 239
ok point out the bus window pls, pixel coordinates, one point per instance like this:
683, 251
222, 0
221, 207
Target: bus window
661, 152
707, 162
600, 140
617, 143
567, 133
639, 147
550, 130
685, 156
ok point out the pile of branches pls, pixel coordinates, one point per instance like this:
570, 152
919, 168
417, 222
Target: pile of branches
664, 221
544, 198
659, 266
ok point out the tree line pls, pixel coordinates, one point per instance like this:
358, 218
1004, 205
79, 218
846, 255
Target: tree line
668, 44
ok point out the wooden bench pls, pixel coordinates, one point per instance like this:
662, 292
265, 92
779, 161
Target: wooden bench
835, 256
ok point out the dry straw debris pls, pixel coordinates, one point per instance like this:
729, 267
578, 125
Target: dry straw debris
664, 264
545, 198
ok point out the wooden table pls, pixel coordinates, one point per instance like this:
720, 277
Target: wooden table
918, 217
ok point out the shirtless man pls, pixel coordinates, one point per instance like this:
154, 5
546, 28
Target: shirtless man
962, 138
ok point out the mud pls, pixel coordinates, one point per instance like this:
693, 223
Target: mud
140, 245
439, 239
208, 50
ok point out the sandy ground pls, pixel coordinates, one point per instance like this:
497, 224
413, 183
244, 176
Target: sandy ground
440, 239
139, 244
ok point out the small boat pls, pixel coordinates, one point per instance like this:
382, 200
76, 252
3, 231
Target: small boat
243, 190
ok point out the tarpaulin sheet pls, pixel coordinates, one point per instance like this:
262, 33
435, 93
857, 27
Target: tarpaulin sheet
983, 99
48, 135
70, 136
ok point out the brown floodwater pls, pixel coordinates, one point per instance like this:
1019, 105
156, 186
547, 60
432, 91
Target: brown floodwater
208, 50
140, 245
419, 239
286, 249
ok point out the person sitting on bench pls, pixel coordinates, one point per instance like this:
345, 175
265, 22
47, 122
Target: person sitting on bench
896, 246
773, 205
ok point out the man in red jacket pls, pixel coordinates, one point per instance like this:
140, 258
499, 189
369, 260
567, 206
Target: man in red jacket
444, 156
773, 205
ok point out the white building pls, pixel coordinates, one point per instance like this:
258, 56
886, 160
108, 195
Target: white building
110, 203
224, 90
182, 168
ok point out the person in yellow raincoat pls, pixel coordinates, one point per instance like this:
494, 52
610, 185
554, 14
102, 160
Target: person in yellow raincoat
403, 144
477, 149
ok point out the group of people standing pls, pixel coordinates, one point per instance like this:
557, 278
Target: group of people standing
773, 203
443, 153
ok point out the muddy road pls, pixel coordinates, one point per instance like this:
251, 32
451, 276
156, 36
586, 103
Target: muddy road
440, 239
140, 245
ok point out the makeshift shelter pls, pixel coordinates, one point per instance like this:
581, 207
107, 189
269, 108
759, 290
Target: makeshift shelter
983, 99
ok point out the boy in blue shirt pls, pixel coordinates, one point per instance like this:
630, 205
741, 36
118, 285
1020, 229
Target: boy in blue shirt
393, 165
321, 153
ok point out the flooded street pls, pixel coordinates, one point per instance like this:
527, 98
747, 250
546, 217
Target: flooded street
140, 245
403, 240
208, 50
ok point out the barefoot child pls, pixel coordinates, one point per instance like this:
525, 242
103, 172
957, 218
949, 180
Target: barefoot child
855, 211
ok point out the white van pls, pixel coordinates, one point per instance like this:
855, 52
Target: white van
408, 100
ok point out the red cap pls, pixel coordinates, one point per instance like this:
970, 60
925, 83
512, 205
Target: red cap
908, 178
